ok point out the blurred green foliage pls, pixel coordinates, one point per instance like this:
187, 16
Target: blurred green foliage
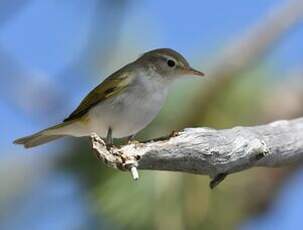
162, 200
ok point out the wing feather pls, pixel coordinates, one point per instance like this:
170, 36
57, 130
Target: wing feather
110, 87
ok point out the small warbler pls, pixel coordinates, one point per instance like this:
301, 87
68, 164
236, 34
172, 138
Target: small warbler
124, 103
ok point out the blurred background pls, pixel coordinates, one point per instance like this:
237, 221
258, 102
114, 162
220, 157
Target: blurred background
53, 52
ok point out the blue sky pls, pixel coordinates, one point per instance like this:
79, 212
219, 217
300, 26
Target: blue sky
46, 36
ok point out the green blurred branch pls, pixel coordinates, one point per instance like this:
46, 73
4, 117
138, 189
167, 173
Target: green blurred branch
243, 54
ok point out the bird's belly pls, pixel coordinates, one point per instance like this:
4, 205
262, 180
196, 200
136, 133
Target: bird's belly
126, 114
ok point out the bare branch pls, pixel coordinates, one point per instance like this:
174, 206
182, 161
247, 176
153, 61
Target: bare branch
216, 153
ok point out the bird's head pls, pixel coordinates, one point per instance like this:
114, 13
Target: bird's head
168, 63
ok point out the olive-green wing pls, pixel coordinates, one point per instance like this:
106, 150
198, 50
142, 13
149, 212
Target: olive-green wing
109, 87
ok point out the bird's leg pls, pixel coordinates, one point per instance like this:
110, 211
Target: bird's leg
109, 138
131, 139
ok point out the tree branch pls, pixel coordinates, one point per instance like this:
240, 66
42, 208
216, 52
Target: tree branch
216, 153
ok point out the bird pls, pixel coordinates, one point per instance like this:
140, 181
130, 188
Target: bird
124, 103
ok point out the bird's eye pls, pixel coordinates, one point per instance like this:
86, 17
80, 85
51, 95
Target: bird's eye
171, 63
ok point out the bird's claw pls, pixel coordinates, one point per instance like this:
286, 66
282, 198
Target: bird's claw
174, 133
130, 142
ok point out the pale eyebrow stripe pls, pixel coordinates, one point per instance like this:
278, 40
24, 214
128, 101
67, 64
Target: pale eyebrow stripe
165, 57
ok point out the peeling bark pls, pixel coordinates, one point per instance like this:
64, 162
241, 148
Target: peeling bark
206, 151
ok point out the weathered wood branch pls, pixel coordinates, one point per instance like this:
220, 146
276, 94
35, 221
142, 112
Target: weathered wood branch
216, 153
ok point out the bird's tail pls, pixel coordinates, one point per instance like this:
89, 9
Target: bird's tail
42, 137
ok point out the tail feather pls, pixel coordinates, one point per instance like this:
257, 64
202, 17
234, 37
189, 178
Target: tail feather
36, 139
43, 136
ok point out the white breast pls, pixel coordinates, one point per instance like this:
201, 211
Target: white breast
131, 111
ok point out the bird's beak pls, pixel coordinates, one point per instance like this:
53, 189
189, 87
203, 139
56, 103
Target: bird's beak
191, 71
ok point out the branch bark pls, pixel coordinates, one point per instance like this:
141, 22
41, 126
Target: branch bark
206, 151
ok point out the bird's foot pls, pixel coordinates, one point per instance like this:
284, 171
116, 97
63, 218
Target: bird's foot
174, 133
109, 146
131, 140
